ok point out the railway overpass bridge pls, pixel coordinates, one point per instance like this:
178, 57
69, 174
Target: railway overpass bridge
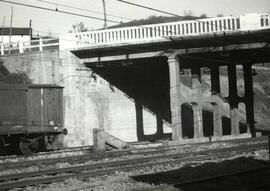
149, 64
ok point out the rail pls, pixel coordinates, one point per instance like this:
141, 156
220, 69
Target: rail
17, 179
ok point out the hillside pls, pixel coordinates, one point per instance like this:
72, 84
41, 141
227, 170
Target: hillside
154, 20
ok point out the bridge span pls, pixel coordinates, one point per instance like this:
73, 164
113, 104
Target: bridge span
151, 72
161, 67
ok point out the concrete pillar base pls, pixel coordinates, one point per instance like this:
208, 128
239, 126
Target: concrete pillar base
207, 139
101, 138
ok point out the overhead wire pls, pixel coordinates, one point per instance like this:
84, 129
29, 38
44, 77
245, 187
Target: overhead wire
168, 13
82, 9
59, 11
131, 4
123, 1
100, 18
173, 14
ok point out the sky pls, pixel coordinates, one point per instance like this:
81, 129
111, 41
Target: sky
45, 22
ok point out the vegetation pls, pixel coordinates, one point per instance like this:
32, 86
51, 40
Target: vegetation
78, 27
158, 19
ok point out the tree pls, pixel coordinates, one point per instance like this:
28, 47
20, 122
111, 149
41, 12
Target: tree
220, 15
78, 27
203, 16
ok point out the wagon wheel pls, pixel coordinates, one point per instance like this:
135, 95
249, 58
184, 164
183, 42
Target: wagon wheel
30, 146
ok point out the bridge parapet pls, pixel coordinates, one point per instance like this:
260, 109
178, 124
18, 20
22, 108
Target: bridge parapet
149, 32
145, 33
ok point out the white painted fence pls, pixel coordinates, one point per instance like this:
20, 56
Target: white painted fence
29, 46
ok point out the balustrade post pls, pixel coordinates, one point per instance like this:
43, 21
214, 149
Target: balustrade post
20, 46
40, 45
2, 49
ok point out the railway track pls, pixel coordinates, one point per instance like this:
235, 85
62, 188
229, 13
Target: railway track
99, 168
25, 157
113, 154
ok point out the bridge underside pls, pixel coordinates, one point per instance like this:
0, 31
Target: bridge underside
170, 79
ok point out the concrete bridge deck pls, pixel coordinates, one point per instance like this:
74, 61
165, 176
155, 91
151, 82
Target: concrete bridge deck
161, 67
150, 73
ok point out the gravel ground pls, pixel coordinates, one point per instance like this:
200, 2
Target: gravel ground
177, 150
123, 181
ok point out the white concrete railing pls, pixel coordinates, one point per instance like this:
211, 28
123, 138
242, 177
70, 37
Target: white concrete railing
137, 34
29, 46
144, 33
149, 32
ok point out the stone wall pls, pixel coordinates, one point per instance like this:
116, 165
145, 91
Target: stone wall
89, 101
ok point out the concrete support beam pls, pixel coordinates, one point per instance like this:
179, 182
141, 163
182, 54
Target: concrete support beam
233, 97
234, 115
175, 98
215, 80
140, 126
196, 81
217, 120
215, 89
249, 98
139, 119
197, 107
160, 131
198, 122
101, 138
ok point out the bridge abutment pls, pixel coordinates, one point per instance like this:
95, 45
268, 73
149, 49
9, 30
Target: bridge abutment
224, 123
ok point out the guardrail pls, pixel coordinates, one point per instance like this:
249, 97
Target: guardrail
29, 46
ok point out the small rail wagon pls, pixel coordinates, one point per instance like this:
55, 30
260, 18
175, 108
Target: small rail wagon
31, 117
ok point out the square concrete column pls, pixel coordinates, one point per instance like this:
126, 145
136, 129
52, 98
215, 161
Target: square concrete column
159, 121
249, 98
217, 120
175, 98
139, 119
198, 122
197, 107
215, 90
233, 97
234, 114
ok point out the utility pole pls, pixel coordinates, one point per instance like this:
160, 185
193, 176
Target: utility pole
30, 33
10, 28
105, 14
3, 29
30, 29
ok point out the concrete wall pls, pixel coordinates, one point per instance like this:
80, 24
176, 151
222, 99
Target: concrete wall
89, 102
